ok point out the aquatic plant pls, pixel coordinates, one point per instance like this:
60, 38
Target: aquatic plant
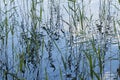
51, 39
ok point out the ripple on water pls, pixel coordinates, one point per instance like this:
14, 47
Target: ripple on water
109, 76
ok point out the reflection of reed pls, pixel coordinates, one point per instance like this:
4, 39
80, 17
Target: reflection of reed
99, 27
83, 51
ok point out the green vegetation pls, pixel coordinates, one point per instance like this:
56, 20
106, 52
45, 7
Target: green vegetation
59, 39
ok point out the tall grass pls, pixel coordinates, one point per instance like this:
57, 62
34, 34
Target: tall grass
34, 45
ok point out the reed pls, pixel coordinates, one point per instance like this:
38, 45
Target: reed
33, 40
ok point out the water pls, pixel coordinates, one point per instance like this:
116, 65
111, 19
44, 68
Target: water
53, 49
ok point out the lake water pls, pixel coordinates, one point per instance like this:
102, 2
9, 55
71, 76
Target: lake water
58, 45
